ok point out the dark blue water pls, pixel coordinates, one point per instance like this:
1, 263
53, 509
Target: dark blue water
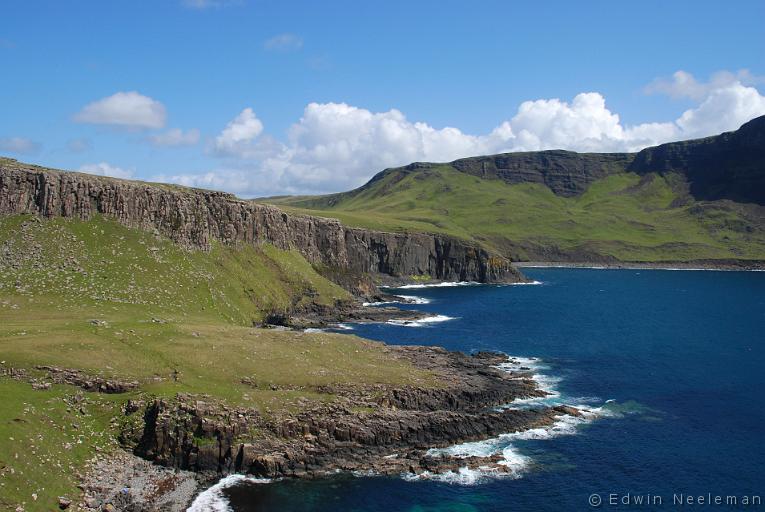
680, 353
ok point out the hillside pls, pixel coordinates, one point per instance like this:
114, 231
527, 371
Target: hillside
122, 305
688, 201
118, 298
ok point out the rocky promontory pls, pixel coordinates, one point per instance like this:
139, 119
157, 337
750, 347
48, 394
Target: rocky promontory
175, 447
381, 429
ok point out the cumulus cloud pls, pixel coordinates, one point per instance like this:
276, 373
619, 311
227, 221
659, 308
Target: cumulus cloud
125, 109
723, 109
239, 137
284, 42
105, 169
20, 145
336, 146
684, 85
175, 137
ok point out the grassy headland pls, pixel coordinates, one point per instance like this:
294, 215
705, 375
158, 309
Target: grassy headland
125, 304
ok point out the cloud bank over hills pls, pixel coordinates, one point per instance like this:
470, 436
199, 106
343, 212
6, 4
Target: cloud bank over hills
336, 146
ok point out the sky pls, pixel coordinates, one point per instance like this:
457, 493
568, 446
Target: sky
264, 98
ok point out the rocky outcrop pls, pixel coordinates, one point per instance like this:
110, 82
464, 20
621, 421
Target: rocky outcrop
196, 218
87, 382
727, 166
361, 429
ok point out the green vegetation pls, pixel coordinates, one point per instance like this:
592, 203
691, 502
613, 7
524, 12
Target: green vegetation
46, 437
102, 262
625, 216
125, 304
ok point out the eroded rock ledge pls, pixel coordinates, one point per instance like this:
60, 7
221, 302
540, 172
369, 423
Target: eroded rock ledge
382, 429
195, 218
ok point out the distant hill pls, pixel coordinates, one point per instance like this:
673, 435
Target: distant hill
726, 166
685, 201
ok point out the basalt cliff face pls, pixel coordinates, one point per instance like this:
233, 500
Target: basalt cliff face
566, 173
196, 218
727, 166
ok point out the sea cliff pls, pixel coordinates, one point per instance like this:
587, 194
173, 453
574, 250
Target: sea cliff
197, 218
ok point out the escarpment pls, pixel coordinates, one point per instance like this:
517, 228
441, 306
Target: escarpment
726, 166
566, 173
196, 218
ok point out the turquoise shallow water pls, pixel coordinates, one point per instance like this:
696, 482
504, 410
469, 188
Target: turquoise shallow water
679, 355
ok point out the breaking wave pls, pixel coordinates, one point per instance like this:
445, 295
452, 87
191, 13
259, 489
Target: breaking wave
422, 322
445, 284
402, 299
511, 462
213, 499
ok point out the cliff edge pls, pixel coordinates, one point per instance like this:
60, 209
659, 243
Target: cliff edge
197, 218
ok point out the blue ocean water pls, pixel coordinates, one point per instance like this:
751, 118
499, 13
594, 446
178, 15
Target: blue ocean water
681, 355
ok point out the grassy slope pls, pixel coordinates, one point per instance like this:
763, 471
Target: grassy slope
175, 320
622, 216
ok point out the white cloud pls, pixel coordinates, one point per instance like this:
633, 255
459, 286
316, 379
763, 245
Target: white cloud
284, 42
684, 85
126, 109
105, 169
724, 109
335, 146
238, 139
19, 145
175, 137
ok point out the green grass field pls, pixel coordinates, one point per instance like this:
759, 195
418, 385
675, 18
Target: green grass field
122, 303
624, 216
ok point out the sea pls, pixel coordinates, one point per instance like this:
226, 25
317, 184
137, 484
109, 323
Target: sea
670, 364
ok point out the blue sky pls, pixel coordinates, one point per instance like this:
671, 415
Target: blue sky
261, 98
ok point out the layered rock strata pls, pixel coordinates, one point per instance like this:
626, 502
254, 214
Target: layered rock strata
196, 218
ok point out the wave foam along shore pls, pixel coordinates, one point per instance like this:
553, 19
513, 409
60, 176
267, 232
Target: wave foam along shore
404, 299
512, 461
422, 322
213, 499
451, 284
445, 284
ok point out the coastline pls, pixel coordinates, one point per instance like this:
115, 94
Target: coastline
186, 445
719, 266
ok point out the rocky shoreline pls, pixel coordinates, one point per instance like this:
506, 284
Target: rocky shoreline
193, 441
315, 316
720, 265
